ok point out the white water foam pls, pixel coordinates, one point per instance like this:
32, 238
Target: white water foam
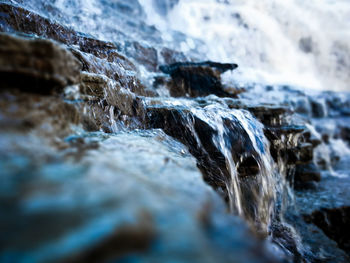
303, 43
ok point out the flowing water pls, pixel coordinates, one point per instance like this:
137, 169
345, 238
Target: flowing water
276, 45
289, 42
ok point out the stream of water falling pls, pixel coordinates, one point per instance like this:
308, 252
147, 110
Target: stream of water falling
257, 35
256, 201
238, 31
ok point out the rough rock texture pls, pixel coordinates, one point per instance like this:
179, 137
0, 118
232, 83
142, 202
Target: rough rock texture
305, 174
88, 196
36, 65
46, 116
198, 135
146, 56
197, 79
335, 224
93, 203
18, 19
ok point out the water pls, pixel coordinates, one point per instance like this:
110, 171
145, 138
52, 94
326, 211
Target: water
149, 167
256, 201
256, 35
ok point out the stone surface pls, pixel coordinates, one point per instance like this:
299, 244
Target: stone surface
198, 135
17, 19
144, 55
335, 224
46, 116
197, 79
36, 65
74, 193
305, 175
92, 202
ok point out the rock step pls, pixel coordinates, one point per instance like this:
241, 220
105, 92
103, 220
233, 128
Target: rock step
36, 65
335, 224
190, 79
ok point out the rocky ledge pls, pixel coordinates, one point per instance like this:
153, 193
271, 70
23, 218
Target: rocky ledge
97, 166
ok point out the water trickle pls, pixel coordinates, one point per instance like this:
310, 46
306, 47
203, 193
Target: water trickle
231, 144
245, 147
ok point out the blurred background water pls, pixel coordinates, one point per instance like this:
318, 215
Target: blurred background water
304, 43
137, 185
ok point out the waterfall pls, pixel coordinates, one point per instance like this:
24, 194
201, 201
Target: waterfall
256, 34
144, 100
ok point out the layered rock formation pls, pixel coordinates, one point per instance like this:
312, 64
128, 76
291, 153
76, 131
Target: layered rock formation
99, 167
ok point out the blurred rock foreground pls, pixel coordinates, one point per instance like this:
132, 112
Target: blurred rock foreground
122, 151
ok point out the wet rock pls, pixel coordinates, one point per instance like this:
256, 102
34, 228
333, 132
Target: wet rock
36, 65
93, 85
146, 56
311, 137
18, 19
338, 103
127, 239
197, 79
129, 8
90, 211
305, 153
107, 97
198, 136
320, 247
285, 236
96, 56
270, 115
301, 154
248, 167
205, 142
302, 105
318, 108
113, 71
305, 175
345, 133
335, 224
283, 130
47, 116
171, 56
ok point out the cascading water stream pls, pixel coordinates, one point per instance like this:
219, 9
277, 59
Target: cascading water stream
251, 193
247, 146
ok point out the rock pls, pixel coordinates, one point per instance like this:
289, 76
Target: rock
89, 211
270, 115
345, 133
113, 71
198, 135
18, 19
127, 239
302, 153
305, 175
279, 131
204, 141
36, 65
197, 79
146, 56
311, 137
47, 116
302, 105
305, 151
171, 56
335, 224
129, 8
94, 85
318, 108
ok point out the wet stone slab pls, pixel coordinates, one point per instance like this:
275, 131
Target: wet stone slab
121, 196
